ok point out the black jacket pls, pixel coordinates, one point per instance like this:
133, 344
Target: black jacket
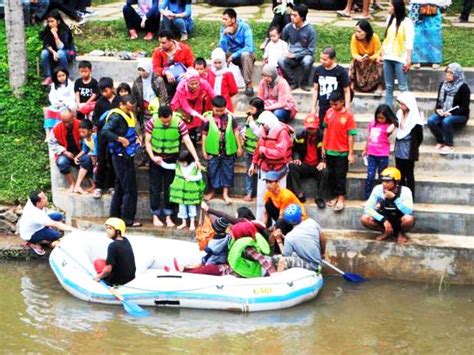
65, 35
115, 127
461, 99
299, 145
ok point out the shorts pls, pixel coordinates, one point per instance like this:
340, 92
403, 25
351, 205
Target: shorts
295, 261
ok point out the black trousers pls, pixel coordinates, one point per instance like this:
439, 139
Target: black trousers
160, 181
124, 199
298, 172
407, 170
466, 10
104, 177
338, 167
273, 213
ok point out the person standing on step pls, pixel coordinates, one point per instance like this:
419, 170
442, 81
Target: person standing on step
146, 19
338, 148
452, 108
390, 208
408, 139
307, 161
119, 267
220, 146
329, 77
120, 132
177, 17
465, 12
397, 49
236, 39
301, 38
164, 134
281, 17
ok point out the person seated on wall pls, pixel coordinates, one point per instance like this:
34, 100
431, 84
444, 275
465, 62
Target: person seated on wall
177, 17
38, 226
119, 267
236, 39
171, 60
35, 11
302, 246
390, 208
65, 143
146, 19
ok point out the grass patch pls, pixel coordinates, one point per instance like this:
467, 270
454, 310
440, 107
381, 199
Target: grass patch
113, 36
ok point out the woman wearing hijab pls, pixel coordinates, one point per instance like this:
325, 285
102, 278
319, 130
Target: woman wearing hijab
452, 108
275, 91
409, 138
189, 100
272, 155
147, 87
221, 78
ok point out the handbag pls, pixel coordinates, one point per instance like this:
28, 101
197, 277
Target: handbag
204, 232
428, 10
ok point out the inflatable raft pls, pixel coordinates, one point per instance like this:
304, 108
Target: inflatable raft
158, 284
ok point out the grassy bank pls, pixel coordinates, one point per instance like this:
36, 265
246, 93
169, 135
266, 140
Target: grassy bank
113, 36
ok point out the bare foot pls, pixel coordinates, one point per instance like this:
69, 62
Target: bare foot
80, 190
332, 203
192, 227
248, 198
402, 238
382, 237
181, 226
54, 244
169, 222
227, 199
209, 196
157, 222
70, 190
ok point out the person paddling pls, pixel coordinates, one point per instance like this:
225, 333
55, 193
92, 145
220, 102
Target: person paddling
119, 267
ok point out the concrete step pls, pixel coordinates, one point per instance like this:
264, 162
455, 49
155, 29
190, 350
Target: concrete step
425, 258
462, 136
431, 218
424, 79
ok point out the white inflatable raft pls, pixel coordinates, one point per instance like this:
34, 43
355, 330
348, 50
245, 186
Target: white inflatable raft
72, 263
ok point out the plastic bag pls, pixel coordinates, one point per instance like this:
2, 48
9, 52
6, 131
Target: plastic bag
239, 79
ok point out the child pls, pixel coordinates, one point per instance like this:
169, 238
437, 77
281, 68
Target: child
221, 78
87, 158
338, 147
86, 89
187, 188
220, 145
124, 89
250, 133
276, 48
201, 67
409, 138
61, 94
377, 146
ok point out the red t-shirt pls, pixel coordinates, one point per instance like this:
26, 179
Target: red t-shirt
311, 157
339, 125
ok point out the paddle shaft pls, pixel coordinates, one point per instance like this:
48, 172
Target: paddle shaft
333, 267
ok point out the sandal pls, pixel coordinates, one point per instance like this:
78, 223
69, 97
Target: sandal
332, 203
38, 249
339, 206
342, 14
134, 224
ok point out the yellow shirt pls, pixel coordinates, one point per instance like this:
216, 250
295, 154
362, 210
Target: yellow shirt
283, 199
372, 49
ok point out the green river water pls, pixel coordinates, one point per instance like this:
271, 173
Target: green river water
379, 316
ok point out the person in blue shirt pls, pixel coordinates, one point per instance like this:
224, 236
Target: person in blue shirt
177, 17
87, 158
236, 39
389, 208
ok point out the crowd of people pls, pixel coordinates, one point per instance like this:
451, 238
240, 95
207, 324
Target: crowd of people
179, 113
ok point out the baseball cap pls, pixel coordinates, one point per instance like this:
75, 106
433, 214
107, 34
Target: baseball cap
311, 121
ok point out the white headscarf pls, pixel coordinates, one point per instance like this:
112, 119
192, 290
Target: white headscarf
148, 93
414, 117
269, 119
218, 54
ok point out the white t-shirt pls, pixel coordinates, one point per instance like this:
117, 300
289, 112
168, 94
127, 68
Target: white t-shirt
32, 220
275, 51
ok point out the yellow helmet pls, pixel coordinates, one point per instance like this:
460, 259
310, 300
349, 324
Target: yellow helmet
153, 106
117, 224
391, 174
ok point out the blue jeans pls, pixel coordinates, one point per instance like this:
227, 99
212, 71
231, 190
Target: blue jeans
282, 115
392, 69
183, 25
221, 171
85, 162
49, 64
442, 127
250, 181
64, 164
187, 211
47, 233
376, 165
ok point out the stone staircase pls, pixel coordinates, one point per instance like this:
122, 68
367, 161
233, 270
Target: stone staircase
444, 195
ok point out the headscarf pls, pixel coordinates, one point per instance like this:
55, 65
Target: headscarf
269, 119
449, 89
148, 93
405, 125
271, 71
243, 229
219, 54
191, 74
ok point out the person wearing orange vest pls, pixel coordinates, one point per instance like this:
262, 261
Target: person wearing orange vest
220, 145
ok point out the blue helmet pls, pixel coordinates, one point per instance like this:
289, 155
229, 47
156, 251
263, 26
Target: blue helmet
293, 214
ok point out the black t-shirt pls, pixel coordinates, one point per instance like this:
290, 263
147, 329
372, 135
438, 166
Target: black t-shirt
335, 79
86, 90
71, 143
120, 256
103, 105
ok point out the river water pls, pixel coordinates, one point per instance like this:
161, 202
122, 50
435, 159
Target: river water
37, 315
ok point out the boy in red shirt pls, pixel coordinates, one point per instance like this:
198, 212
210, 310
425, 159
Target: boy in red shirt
338, 147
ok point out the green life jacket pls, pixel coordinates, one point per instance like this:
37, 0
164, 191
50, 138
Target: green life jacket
186, 192
213, 136
166, 139
250, 140
242, 266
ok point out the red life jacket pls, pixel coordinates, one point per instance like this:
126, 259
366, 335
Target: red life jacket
60, 133
270, 141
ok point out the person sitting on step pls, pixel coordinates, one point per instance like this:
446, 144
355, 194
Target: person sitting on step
146, 19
